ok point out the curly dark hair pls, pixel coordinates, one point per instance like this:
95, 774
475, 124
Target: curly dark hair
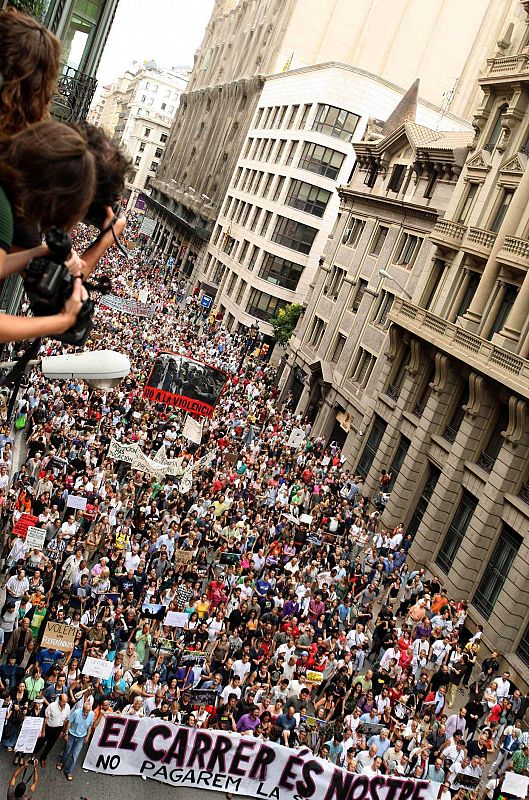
29, 65
112, 168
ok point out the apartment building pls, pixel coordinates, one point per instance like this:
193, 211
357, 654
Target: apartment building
247, 41
450, 410
282, 202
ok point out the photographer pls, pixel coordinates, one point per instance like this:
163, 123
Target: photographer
47, 177
17, 790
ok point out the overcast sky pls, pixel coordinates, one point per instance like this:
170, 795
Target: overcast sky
168, 31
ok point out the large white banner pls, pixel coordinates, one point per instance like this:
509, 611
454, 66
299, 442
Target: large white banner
127, 306
231, 762
132, 454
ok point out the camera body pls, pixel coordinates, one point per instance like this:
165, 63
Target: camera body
48, 285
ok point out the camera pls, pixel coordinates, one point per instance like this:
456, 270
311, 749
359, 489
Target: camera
49, 284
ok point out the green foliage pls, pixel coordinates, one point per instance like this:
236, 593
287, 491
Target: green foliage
35, 8
285, 322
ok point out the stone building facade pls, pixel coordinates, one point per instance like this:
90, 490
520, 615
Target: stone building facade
282, 203
450, 410
248, 40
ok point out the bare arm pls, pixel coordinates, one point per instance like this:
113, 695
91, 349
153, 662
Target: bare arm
16, 262
93, 253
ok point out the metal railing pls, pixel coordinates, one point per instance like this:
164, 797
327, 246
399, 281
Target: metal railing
73, 96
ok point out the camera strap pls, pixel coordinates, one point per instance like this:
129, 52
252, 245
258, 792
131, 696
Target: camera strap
118, 244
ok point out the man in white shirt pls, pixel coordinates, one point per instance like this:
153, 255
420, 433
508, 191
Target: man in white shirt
503, 686
233, 687
56, 715
242, 667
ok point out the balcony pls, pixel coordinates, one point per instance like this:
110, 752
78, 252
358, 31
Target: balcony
515, 252
448, 234
506, 67
75, 90
501, 365
479, 241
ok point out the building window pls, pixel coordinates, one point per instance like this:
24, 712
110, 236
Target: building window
468, 202
154, 166
431, 482
292, 116
363, 367
163, 138
510, 294
456, 532
398, 460
434, 281
397, 177
137, 161
255, 217
336, 282
164, 106
472, 285
496, 128
280, 271
338, 348
430, 185
295, 235
351, 235
253, 257
316, 333
335, 122
147, 132
158, 152
282, 117
497, 571
371, 447
278, 188
266, 222
306, 112
371, 175
386, 301
240, 292
490, 452
220, 269
231, 283
505, 201
523, 647
408, 251
395, 385
308, 198
242, 251
228, 244
361, 286
292, 149
321, 160
454, 423
263, 306
378, 241
141, 147
268, 183
280, 151
258, 118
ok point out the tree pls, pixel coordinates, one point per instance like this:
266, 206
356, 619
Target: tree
285, 322
35, 8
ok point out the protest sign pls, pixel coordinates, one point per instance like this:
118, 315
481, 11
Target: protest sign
515, 784
305, 519
3, 715
35, 537
29, 733
191, 658
183, 556
22, 524
176, 619
370, 728
313, 676
402, 712
192, 430
148, 226
75, 501
204, 697
153, 611
126, 306
185, 383
296, 438
98, 668
220, 762
59, 636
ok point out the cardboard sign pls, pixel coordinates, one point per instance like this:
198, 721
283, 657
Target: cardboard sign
185, 383
98, 668
183, 556
35, 538
59, 636
74, 501
176, 619
370, 728
22, 524
313, 676
3, 715
296, 438
192, 430
515, 784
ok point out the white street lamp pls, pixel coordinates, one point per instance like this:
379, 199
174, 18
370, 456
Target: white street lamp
386, 274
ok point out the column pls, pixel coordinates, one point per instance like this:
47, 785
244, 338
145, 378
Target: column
509, 336
515, 213
456, 302
494, 310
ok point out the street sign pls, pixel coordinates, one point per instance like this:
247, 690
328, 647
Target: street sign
206, 301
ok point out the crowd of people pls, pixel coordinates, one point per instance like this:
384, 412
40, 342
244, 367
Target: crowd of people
304, 623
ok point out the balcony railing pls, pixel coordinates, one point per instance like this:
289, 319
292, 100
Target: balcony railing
517, 64
479, 240
507, 368
450, 434
448, 233
74, 93
393, 392
515, 251
486, 462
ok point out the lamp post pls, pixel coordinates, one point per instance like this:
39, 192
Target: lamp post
386, 274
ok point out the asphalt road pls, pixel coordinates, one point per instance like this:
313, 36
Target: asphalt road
93, 786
